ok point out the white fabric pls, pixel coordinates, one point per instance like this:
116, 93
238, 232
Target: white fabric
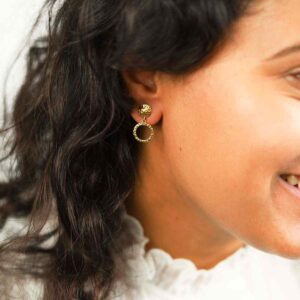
247, 274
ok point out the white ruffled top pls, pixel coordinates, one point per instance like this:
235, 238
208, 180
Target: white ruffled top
247, 274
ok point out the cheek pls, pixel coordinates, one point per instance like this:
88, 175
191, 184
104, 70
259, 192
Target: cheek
222, 147
209, 145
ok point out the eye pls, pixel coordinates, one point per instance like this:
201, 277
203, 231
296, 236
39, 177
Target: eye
294, 76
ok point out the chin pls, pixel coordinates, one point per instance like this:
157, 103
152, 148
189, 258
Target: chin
289, 252
287, 248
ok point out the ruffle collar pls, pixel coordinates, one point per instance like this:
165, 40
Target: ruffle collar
159, 269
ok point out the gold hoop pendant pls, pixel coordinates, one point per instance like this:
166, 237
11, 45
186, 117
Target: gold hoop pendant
145, 112
143, 123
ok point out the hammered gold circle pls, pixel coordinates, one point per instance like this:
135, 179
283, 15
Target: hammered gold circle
145, 110
135, 132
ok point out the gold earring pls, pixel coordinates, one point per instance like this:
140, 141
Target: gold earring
144, 111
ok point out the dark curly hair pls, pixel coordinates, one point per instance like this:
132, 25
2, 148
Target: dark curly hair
73, 155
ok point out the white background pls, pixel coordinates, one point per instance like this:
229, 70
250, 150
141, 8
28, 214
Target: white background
16, 19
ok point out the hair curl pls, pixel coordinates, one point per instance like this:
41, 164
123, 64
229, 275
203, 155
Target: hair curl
72, 145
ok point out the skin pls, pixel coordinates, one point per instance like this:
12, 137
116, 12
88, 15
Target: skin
208, 180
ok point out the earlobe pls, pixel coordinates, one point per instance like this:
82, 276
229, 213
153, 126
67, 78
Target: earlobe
143, 88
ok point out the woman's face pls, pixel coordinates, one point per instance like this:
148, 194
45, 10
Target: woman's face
233, 126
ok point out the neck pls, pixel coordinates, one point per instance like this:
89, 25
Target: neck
171, 221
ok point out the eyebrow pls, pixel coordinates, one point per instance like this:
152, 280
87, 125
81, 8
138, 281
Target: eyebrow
284, 52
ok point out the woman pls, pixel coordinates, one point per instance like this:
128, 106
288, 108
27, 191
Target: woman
157, 153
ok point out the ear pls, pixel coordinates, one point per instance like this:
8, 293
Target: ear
144, 88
